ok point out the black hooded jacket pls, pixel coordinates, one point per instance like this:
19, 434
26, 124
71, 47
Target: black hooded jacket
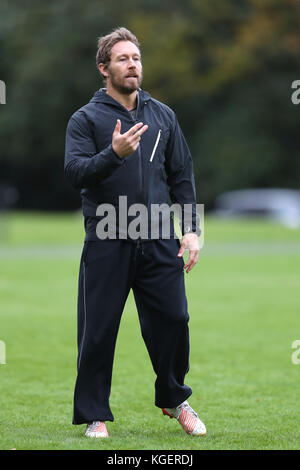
159, 171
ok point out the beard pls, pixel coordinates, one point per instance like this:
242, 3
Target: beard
122, 87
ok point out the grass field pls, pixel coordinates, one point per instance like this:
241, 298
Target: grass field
244, 307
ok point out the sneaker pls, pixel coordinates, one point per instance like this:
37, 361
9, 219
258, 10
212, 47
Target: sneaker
96, 429
188, 419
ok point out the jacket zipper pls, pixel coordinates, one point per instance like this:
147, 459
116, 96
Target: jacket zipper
155, 145
139, 105
139, 151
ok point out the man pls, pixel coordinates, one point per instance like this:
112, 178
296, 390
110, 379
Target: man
125, 143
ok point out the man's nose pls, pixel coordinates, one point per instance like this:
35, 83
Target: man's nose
131, 63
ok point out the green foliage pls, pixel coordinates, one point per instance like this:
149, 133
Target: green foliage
226, 68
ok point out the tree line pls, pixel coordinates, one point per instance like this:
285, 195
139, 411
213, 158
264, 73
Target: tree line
226, 68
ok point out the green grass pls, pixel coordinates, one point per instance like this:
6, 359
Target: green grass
244, 309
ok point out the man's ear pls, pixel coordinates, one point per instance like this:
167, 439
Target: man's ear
103, 69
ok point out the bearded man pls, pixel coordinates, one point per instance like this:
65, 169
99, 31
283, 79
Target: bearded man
126, 143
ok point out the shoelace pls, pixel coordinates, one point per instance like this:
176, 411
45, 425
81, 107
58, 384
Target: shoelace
94, 425
188, 408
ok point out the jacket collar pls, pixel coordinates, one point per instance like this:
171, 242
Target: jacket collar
101, 96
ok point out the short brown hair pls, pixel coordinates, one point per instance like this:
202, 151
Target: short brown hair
106, 43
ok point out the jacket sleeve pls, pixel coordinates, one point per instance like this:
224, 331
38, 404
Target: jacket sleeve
180, 179
83, 165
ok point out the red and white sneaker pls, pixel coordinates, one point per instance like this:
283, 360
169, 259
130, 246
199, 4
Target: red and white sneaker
96, 429
188, 419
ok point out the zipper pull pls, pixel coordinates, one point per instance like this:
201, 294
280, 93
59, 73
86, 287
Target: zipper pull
155, 145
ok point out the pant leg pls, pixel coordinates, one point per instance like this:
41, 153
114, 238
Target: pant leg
104, 280
159, 293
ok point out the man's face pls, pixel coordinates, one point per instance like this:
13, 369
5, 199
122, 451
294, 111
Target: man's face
124, 71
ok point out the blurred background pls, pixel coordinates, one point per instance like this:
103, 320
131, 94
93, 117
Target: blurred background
226, 68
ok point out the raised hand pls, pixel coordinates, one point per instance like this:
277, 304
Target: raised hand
125, 144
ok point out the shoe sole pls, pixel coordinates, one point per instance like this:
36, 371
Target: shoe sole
97, 435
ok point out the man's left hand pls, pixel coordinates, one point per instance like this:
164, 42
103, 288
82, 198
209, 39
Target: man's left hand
189, 242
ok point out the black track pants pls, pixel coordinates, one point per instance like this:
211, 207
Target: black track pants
108, 270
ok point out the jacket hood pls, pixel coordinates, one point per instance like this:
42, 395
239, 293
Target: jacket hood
101, 96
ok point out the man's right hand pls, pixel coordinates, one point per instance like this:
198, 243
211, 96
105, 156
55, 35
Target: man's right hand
125, 144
